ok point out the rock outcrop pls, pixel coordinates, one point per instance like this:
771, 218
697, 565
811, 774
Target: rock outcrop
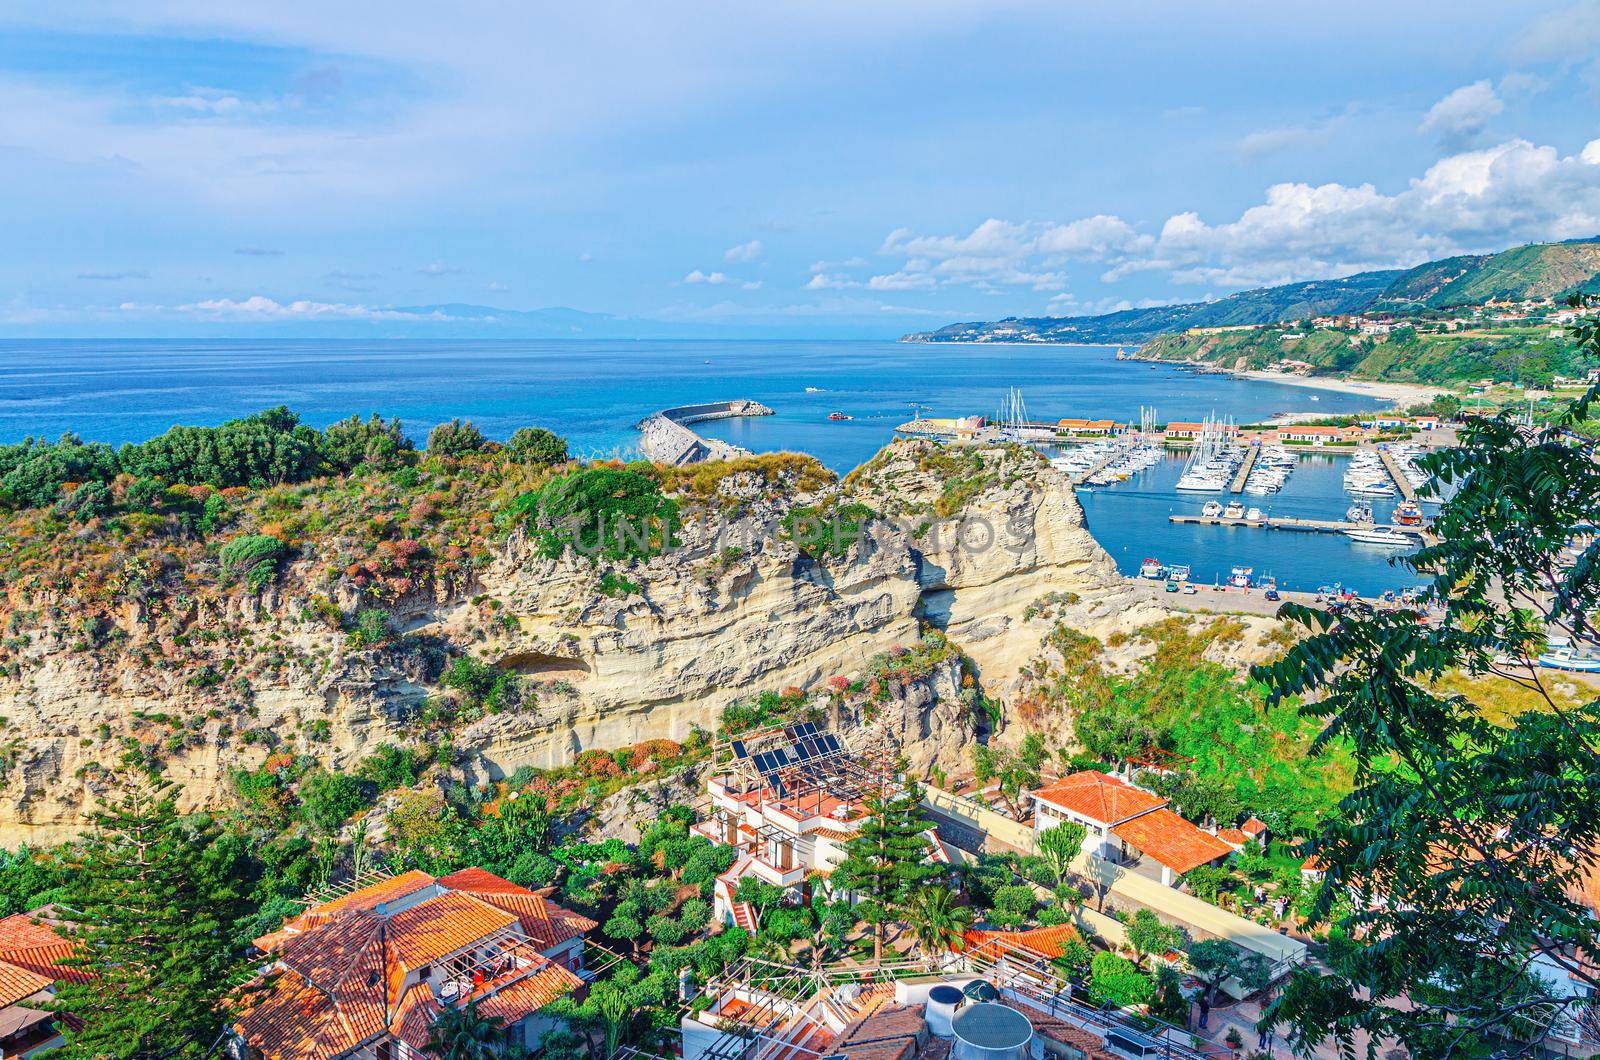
661, 648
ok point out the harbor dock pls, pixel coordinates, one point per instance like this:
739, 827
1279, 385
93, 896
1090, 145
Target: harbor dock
1244, 469
665, 436
1401, 483
1312, 526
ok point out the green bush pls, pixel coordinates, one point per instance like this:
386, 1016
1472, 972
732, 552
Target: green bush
537, 446
257, 451
371, 627
390, 767
1115, 980
33, 472
456, 438
328, 800
820, 532
351, 443
254, 558
483, 685
598, 512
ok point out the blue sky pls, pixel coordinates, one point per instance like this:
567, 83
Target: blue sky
818, 168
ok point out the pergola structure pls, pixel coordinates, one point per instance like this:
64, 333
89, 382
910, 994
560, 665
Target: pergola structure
802, 762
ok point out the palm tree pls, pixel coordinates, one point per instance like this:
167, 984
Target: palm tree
936, 921
464, 1034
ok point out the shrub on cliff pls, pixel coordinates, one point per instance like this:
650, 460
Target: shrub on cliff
256, 451
253, 558
353, 442
456, 438
603, 511
33, 472
537, 446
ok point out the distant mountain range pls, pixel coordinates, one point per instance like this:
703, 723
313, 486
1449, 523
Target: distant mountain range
1535, 271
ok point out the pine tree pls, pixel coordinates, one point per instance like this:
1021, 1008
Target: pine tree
155, 900
885, 861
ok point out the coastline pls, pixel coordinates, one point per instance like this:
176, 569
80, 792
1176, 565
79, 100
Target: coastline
1399, 393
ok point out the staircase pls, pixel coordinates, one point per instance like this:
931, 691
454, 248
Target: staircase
744, 915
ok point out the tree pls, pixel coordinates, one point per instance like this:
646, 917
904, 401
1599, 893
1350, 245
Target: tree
537, 446
350, 443
1148, 934
885, 860
1059, 844
1014, 771
937, 922
456, 438
1460, 855
154, 898
466, 1034
1215, 961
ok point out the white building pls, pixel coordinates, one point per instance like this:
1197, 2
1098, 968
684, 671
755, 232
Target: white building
1125, 824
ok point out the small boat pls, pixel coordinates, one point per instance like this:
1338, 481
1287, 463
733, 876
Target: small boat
1240, 577
1234, 510
1254, 515
1408, 514
1152, 568
814, 390
839, 416
1566, 657
1211, 510
1358, 513
1178, 572
1371, 489
1381, 535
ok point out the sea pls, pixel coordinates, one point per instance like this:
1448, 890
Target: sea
594, 391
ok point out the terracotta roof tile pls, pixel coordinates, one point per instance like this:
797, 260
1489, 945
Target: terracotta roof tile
1044, 941
1098, 797
530, 993
29, 943
374, 895
19, 983
1169, 839
546, 923
440, 926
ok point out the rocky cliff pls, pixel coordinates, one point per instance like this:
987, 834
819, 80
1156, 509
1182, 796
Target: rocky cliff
203, 681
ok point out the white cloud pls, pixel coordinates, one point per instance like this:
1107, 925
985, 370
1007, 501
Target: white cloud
259, 307
751, 285
744, 252
715, 279
1463, 114
439, 268
1471, 201
258, 252
497, 286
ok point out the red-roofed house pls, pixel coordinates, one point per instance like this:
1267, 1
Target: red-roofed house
1126, 824
30, 954
369, 972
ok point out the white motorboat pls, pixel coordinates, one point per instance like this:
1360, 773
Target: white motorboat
1387, 536
1240, 577
1234, 510
1152, 569
1372, 489
1212, 509
1358, 513
1566, 657
1254, 515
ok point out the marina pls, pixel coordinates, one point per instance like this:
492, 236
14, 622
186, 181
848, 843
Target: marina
1310, 526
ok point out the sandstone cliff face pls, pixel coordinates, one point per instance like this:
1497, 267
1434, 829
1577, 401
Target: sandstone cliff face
687, 634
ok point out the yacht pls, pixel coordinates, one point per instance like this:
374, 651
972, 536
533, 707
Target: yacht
1254, 515
1234, 510
1240, 577
1152, 568
1371, 489
1178, 572
1381, 535
1408, 514
1212, 509
1358, 513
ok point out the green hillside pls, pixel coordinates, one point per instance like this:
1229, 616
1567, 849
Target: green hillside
1544, 270
1527, 354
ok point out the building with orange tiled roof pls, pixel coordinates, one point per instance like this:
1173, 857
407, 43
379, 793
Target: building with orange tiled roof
367, 973
1125, 824
1045, 942
31, 952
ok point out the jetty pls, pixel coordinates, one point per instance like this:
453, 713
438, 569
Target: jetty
1401, 483
1239, 479
665, 437
1310, 526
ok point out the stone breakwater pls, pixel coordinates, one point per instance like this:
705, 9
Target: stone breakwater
665, 437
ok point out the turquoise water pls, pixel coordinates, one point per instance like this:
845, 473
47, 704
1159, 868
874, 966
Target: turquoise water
594, 391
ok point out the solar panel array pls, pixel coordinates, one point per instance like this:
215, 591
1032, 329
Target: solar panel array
806, 743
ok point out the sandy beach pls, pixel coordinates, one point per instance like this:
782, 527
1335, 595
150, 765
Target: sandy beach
1399, 393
